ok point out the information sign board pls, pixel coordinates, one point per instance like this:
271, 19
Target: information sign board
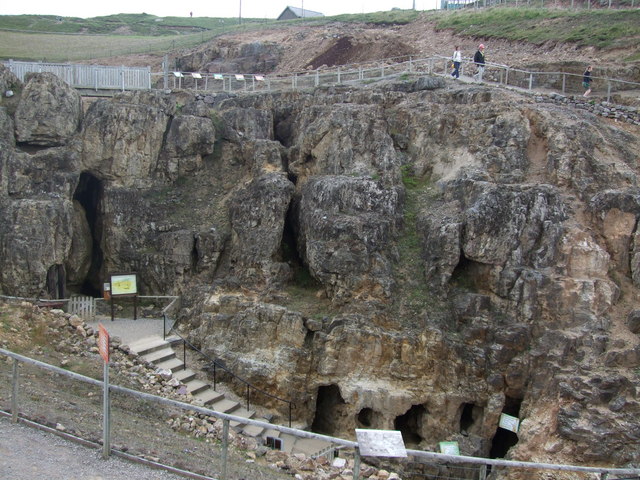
380, 443
509, 423
449, 448
124, 284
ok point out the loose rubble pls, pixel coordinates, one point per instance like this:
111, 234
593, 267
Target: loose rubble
75, 337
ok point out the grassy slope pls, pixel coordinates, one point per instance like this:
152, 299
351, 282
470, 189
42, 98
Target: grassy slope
39, 37
596, 28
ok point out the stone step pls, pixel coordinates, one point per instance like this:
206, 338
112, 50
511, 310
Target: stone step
224, 406
172, 364
148, 345
253, 431
311, 446
209, 396
184, 376
241, 412
195, 386
272, 433
158, 356
288, 442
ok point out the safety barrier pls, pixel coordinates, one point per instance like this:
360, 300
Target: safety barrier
423, 457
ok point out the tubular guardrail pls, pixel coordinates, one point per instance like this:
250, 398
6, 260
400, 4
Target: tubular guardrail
495, 73
226, 418
122, 78
217, 365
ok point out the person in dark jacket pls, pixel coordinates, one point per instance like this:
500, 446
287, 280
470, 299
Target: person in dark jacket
586, 80
478, 59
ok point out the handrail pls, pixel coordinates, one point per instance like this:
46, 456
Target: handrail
439, 457
215, 363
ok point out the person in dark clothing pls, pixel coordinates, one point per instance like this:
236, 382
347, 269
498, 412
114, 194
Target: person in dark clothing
478, 59
586, 80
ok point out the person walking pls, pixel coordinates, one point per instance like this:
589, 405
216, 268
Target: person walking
478, 59
586, 80
457, 60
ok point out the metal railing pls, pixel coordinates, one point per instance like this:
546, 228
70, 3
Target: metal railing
93, 77
495, 73
227, 418
218, 365
125, 78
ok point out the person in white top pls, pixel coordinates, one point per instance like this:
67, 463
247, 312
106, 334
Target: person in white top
457, 60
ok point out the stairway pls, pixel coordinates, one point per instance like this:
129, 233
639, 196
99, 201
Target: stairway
160, 353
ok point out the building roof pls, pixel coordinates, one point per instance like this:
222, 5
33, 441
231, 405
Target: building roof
300, 13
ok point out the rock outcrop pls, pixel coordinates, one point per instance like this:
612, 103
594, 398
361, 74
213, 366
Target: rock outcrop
421, 256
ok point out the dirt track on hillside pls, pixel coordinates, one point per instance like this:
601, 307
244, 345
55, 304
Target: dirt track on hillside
311, 46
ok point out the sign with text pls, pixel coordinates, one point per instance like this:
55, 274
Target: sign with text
509, 423
103, 343
381, 443
449, 448
124, 284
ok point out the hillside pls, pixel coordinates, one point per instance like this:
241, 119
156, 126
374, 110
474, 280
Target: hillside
532, 38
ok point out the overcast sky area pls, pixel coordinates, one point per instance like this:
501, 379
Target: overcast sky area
204, 8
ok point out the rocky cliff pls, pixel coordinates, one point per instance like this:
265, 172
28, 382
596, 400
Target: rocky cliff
417, 255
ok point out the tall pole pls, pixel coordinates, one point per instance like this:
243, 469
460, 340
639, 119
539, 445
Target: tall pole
240, 14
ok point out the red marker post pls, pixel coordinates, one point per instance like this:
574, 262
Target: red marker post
103, 348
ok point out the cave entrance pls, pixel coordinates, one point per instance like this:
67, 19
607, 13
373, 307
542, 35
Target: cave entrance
329, 406
368, 418
470, 414
410, 424
56, 281
89, 193
503, 440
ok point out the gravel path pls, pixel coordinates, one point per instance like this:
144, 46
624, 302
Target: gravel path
27, 453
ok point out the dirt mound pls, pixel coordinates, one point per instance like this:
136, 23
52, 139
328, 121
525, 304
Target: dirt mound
311, 46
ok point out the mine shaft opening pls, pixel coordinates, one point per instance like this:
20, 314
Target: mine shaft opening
410, 424
89, 194
365, 418
504, 439
329, 406
470, 415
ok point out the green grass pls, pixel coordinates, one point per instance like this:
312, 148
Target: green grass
59, 39
45, 38
592, 28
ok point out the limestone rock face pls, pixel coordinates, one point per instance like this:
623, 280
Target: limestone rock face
49, 111
189, 139
126, 156
363, 251
345, 228
257, 213
31, 244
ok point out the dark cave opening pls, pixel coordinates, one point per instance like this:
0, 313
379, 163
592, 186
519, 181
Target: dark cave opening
56, 281
89, 193
470, 414
504, 439
410, 424
470, 275
301, 276
328, 408
365, 417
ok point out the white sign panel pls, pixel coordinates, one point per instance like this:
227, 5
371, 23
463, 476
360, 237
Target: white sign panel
449, 448
509, 423
381, 443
